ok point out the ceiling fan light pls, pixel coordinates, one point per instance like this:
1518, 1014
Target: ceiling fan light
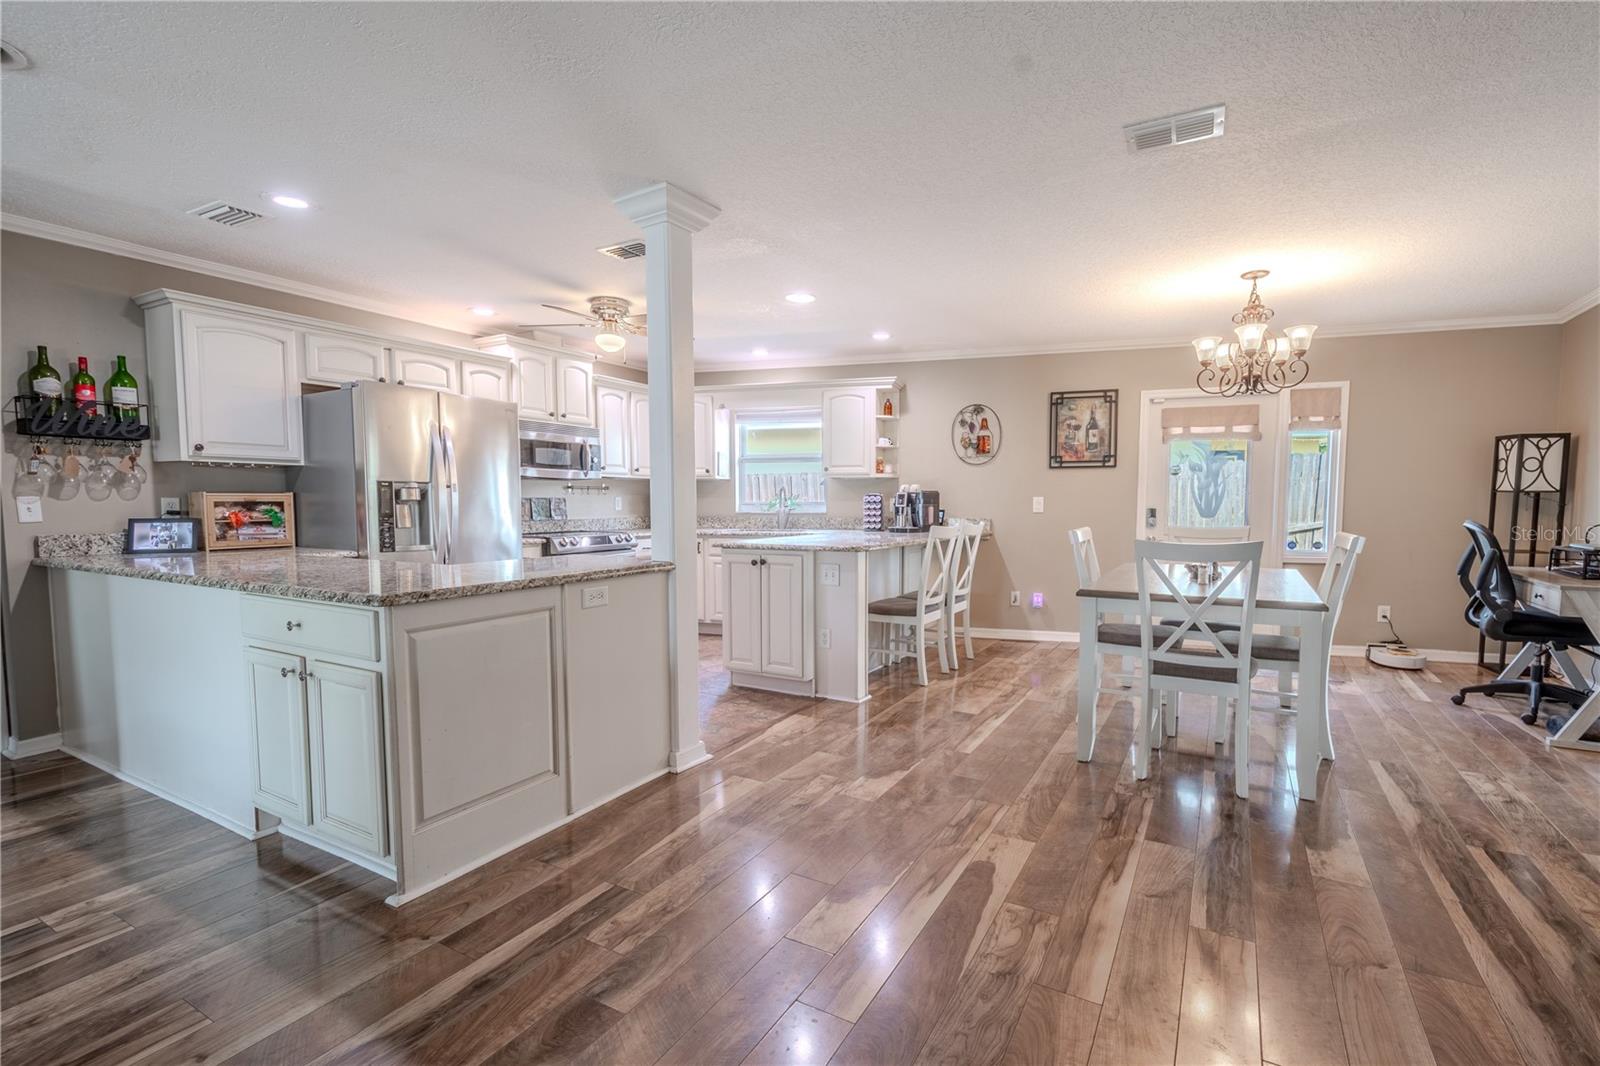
608, 341
1205, 349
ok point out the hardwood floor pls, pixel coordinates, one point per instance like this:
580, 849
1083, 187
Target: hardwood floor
931, 877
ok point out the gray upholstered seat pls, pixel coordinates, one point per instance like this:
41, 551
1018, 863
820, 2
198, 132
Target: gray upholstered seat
904, 606
1267, 646
1223, 674
1127, 633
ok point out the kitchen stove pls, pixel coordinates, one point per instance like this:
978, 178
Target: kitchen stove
579, 543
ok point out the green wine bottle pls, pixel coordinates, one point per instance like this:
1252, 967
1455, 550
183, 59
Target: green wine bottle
83, 386
45, 383
122, 393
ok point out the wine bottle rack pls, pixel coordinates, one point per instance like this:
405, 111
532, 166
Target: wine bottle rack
33, 418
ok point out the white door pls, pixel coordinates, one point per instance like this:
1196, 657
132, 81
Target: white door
741, 629
241, 389
486, 380
783, 591
716, 578
278, 734
705, 437
1204, 484
848, 431
639, 434
347, 782
332, 359
536, 386
611, 407
575, 391
426, 370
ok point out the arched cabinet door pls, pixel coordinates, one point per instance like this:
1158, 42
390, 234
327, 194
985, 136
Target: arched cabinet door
241, 386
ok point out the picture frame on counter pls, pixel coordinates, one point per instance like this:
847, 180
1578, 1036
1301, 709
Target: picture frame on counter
235, 520
1083, 429
164, 536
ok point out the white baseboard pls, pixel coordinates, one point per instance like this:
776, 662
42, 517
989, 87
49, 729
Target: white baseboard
21, 749
249, 832
1341, 651
333, 847
679, 761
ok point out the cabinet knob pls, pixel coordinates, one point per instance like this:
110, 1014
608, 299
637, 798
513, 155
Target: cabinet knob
400, 381
755, 562
305, 674
199, 447
552, 414
291, 626
284, 671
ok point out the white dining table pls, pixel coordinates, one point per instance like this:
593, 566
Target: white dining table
1283, 598
1581, 598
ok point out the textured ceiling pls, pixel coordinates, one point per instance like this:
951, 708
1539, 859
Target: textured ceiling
953, 173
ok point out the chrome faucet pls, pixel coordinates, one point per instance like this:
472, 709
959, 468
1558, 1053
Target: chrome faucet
785, 501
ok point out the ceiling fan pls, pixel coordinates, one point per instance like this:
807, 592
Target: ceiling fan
608, 314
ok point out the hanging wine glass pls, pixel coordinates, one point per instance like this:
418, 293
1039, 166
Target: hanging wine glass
97, 479
70, 480
123, 481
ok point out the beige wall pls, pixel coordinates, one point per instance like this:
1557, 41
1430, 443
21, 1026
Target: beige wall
1578, 413
1424, 409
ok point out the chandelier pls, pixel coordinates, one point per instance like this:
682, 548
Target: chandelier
1258, 362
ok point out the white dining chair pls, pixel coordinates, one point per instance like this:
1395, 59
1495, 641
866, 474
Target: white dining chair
1194, 657
1216, 535
914, 612
963, 565
1112, 632
1280, 654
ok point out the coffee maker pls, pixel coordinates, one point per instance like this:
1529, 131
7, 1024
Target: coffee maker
916, 510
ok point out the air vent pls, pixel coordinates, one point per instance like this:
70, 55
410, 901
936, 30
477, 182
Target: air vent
630, 250
226, 214
1175, 129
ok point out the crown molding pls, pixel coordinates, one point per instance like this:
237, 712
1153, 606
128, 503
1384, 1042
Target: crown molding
1579, 306
665, 202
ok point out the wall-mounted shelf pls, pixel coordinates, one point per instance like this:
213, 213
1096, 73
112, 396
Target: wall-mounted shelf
32, 417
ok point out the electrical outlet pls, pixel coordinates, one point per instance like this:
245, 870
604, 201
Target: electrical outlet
616, 503
1016, 598
30, 509
1038, 600
1383, 612
596, 596
824, 639
1038, 505
170, 505
829, 575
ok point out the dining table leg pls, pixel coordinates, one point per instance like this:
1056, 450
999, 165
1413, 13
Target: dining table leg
1088, 675
1311, 716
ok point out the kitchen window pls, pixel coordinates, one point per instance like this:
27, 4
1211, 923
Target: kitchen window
779, 453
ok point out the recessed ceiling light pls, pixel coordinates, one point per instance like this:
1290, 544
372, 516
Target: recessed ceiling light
483, 312
800, 298
758, 352
880, 335
291, 201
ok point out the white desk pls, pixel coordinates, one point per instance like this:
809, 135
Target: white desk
1283, 598
1578, 598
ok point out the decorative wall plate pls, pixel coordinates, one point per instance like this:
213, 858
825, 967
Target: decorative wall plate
975, 434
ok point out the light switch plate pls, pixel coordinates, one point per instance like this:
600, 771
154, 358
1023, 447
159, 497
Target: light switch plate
830, 574
1038, 505
30, 509
1016, 598
1038, 600
616, 503
596, 596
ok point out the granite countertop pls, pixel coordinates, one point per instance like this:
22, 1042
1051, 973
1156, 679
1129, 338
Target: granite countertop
337, 577
836, 540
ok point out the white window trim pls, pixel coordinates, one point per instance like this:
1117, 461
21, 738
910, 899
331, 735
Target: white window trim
1276, 410
769, 414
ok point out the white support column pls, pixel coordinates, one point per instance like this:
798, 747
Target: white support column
670, 217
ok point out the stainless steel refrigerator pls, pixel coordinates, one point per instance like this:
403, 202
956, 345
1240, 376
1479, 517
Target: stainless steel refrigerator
396, 472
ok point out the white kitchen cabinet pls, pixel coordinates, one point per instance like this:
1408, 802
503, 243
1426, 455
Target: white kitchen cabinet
278, 731
611, 411
536, 384
705, 436
767, 623
574, 380
489, 379
426, 369
715, 578
345, 714
849, 431
639, 433
224, 386
336, 359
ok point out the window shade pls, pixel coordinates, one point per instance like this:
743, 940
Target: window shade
1240, 421
1316, 408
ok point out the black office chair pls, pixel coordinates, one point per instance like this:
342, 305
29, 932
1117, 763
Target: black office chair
1494, 609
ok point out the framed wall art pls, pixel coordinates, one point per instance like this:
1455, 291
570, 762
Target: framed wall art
975, 434
1083, 428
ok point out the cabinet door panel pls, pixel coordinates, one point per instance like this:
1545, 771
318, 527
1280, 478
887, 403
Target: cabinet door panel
741, 629
783, 615
427, 370
241, 389
575, 392
331, 359
278, 733
705, 439
716, 578
347, 781
536, 386
639, 434
848, 431
611, 406
701, 589
486, 381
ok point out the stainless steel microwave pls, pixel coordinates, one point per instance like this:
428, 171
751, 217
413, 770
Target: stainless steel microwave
555, 451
